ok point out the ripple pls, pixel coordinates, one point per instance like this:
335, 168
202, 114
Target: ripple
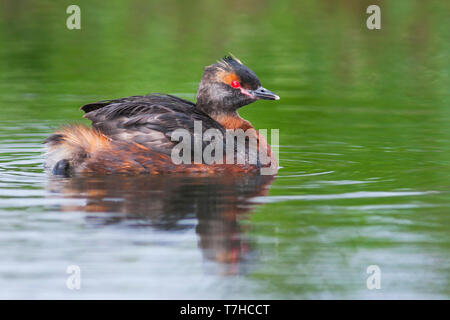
345, 182
307, 174
393, 206
348, 195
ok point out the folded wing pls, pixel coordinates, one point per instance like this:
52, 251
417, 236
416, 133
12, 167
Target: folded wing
147, 120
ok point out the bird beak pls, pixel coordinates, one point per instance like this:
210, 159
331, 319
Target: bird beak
263, 93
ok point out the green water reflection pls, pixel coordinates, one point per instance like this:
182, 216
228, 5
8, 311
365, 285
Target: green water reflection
363, 119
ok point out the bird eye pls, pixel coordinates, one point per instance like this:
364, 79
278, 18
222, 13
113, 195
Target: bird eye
235, 84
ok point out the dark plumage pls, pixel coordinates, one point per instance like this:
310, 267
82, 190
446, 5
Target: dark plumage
133, 134
148, 120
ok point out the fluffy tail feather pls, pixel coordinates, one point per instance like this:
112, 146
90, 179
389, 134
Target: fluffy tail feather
69, 147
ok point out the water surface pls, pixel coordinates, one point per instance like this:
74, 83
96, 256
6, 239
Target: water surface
364, 153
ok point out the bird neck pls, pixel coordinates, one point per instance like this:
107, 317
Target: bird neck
219, 111
232, 121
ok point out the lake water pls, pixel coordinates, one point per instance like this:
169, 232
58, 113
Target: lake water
364, 153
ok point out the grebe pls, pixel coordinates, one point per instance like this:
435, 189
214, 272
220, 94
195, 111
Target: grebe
134, 134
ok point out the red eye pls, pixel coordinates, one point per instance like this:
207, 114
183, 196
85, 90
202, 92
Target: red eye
235, 84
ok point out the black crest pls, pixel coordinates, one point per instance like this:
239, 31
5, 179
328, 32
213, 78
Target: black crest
230, 62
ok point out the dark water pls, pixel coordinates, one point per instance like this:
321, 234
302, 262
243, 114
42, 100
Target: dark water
364, 153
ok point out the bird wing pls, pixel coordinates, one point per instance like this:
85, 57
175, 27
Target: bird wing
148, 120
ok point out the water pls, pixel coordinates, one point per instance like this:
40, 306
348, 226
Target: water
364, 153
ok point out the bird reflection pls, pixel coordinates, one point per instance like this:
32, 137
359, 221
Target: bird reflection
168, 202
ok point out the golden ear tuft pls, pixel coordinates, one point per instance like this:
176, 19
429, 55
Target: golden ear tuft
232, 56
227, 78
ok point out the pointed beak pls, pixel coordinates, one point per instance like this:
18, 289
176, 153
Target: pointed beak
263, 93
